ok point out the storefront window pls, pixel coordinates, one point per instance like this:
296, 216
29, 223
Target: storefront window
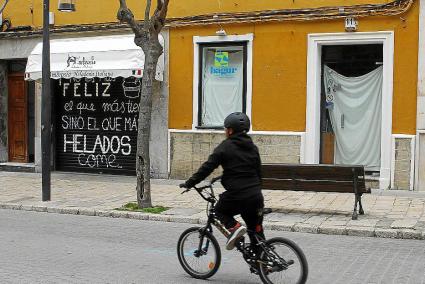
222, 84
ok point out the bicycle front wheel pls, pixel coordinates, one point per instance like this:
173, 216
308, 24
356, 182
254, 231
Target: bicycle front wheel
283, 262
200, 256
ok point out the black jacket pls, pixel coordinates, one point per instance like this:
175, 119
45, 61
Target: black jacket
241, 164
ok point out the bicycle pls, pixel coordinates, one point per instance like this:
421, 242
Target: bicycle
200, 256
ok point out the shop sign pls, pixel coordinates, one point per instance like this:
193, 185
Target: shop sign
221, 65
221, 59
80, 62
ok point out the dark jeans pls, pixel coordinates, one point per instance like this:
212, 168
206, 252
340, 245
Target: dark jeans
251, 211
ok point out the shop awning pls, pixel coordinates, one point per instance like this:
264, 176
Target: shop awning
106, 56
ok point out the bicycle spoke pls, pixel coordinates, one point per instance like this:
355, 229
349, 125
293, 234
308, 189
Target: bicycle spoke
283, 262
200, 263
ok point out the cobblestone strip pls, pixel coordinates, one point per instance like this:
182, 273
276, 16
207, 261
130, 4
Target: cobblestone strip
307, 227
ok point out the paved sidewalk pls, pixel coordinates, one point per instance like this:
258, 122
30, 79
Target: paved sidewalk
388, 214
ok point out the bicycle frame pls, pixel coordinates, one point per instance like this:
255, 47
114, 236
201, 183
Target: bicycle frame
213, 221
265, 257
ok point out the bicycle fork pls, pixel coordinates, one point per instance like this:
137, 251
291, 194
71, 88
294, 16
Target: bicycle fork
202, 232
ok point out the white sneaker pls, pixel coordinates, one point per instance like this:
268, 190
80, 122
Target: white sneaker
234, 236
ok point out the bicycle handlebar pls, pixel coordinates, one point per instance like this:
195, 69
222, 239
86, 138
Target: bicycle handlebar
200, 190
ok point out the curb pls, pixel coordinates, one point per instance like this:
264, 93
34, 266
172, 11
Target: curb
276, 226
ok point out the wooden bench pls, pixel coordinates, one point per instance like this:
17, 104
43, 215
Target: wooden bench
319, 178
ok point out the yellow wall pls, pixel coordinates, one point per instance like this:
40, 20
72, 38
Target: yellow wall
19, 12
280, 54
279, 70
88, 12
101, 11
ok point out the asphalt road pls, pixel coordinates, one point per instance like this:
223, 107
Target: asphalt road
53, 248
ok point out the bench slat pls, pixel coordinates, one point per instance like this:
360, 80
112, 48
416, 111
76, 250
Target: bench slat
313, 172
313, 165
312, 185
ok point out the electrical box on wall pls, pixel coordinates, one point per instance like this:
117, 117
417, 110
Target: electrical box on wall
51, 18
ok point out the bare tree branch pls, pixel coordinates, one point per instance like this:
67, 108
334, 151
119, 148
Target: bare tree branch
125, 15
159, 4
164, 9
160, 15
4, 6
147, 14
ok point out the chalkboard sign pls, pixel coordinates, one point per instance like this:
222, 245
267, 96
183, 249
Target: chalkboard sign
96, 124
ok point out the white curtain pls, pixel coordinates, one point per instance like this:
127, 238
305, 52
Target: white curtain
222, 86
354, 105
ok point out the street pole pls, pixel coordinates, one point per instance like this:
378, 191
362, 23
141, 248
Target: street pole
46, 107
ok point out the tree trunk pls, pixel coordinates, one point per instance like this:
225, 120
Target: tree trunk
144, 130
146, 36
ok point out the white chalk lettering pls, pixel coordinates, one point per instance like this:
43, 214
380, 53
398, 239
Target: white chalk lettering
130, 124
65, 123
85, 106
97, 120
124, 145
72, 122
65, 87
105, 94
103, 144
121, 107
85, 91
79, 91
118, 144
68, 106
77, 143
112, 123
66, 142
91, 123
76, 86
98, 160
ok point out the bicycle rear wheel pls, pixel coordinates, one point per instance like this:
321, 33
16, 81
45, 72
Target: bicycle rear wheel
283, 262
199, 264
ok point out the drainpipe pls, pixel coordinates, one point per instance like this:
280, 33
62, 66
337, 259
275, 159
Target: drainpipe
420, 121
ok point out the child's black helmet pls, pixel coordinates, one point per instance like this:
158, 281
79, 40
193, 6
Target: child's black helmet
238, 121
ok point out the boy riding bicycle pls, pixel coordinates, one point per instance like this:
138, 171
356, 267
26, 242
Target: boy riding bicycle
241, 164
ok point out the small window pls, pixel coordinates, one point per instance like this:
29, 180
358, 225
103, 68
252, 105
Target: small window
17, 66
222, 82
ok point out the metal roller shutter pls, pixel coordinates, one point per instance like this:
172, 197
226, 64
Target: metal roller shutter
96, 124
